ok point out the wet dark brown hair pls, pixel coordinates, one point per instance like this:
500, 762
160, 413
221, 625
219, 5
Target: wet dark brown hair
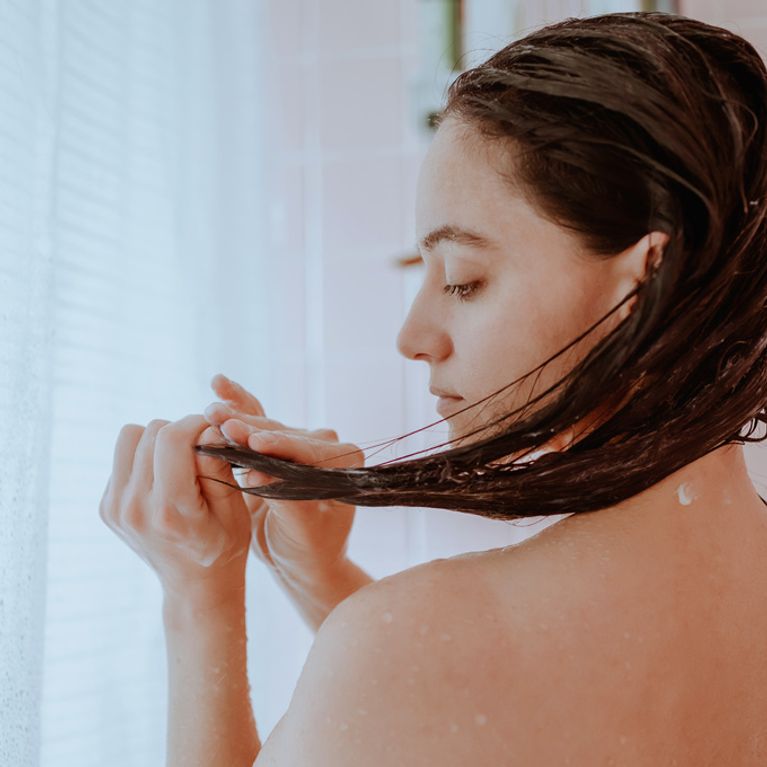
621, 124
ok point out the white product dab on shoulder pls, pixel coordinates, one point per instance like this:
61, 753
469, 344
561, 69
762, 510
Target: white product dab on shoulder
685, 494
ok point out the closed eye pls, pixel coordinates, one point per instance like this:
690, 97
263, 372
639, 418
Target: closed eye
463, 292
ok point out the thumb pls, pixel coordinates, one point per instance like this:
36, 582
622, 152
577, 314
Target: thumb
214, 467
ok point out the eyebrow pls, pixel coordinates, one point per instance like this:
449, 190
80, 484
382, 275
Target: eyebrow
455, 234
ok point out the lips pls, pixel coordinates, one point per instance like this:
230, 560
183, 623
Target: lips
447, 404
443, 393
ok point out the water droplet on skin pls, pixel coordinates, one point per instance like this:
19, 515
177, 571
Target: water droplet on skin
623, 739
424, 628
453, 727
445, 637
480, 719
685, 494
343, 726
362, 711
627, 635
387, 617
410, 680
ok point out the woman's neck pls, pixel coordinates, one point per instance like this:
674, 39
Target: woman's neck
712, 495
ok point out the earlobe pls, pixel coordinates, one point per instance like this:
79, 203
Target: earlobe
656, 246
650, 250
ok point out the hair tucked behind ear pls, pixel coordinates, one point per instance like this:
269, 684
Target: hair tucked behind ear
622, 124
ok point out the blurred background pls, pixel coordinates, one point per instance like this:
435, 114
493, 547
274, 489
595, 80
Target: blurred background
189, 188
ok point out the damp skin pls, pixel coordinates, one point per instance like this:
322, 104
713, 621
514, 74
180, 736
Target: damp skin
685, 493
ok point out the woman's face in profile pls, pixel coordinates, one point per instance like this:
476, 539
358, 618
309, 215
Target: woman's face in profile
530, 289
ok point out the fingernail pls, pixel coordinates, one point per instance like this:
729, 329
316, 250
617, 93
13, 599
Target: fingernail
216, 410
229, 440
226, 436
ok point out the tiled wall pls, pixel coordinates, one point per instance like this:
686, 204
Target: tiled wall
344, 168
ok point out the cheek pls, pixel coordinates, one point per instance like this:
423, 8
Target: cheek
495, 346
507, 340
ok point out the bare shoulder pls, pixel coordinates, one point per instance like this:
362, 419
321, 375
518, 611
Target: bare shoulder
526, 655
395, 676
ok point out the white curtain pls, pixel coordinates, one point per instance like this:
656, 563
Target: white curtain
134, 231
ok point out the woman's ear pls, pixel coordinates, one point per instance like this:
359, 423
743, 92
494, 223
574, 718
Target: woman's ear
656, 247
635, 263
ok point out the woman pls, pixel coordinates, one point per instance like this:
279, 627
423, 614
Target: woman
592, 220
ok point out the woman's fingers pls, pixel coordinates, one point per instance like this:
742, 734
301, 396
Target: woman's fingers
236, 431
142, 472
308, 450
236, 395
175, 474
219, 412
124, 452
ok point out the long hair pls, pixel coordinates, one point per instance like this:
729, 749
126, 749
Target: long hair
622, 124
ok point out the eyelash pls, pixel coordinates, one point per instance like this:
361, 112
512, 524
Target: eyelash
463, 292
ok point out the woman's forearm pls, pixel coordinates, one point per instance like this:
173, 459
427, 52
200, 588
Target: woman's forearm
210, 719
317, 594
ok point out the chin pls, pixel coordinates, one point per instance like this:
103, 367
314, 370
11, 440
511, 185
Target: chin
456, 440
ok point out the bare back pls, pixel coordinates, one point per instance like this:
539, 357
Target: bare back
652, 654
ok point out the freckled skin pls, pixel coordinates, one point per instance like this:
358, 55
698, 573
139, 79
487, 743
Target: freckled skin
609, 617
614, 665
540, 289
631, 636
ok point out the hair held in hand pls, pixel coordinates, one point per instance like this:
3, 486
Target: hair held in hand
621, 124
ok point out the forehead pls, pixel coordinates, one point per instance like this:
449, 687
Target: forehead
460, 183
467, 181
458, 155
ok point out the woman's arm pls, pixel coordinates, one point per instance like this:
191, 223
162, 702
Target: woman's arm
316, 595
210, 719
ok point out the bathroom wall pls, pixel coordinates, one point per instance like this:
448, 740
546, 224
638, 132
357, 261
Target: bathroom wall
348, 141
746, 17
348, 87
344, 172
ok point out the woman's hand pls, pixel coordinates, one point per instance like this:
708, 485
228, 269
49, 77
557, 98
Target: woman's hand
195, 533
308, 537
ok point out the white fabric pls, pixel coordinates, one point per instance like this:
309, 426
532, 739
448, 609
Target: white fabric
130, 203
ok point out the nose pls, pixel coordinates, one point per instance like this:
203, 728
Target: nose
422, 336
